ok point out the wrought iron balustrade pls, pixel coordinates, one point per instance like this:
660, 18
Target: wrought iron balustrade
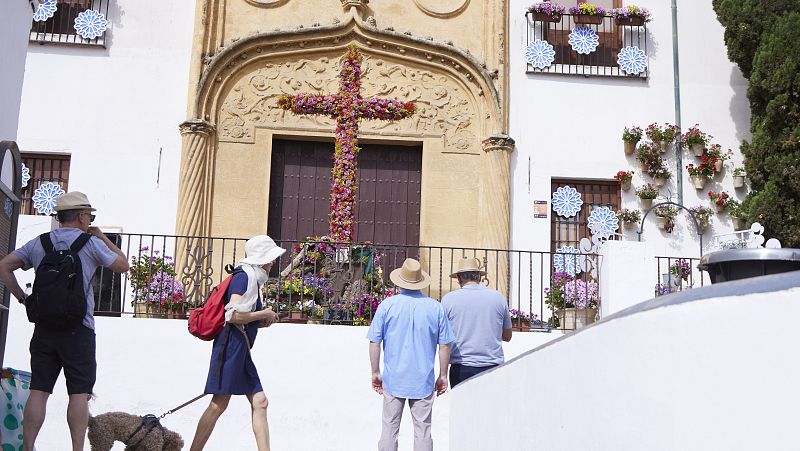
324, 282
568, 47
677, 274
58, 26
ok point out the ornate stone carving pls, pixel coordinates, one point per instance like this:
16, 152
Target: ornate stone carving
442, 8
443, 106
498, 142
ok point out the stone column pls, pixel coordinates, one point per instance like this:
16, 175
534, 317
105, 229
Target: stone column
194, 208
495, 206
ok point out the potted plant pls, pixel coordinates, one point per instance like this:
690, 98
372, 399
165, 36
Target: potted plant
695, 140
521, 321
631, 136
624, 179
665, 216
679, 272
546, 12
716, 157
662, 137
721, 200
660, 175
630, 218
648, 157
631, 15
702, 215
573, 301
646, 194
738, 215
317, 314
150, 275
699, 174
739, 176
587, 13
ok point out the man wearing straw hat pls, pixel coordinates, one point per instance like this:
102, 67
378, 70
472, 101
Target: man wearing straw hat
410, 325
480, 320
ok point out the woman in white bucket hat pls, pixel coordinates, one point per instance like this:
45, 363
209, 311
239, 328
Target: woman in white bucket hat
232, 371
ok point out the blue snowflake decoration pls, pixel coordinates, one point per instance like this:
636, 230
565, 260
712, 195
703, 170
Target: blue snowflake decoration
26, 175
566, 260
583, 40
632, 60
44, 198
90, 24
567, 201
45, 11
603, 222
540, 54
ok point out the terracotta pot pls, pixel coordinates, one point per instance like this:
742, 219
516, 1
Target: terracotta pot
697, 149
544, 17
573, 319
587, 19
659, 182
738, 181
630, 148
646, 203
629, 22
718, 166
521, 325
699, 181
663, 146
625, 185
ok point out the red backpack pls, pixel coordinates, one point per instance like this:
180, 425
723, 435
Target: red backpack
208, 321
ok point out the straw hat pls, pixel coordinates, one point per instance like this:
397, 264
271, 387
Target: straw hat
468, 264
74, 200
261, 250
410, 276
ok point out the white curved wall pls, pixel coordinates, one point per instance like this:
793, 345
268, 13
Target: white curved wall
715, 374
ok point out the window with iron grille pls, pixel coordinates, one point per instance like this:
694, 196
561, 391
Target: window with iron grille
595, 194
43, 168
603, 60
60, 28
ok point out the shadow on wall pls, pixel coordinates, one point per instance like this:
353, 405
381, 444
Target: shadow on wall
740, 105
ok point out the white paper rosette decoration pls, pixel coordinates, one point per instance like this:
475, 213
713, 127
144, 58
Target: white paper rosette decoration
540, 54
603, 222
567, 201
566, 260
44, 198
26, 175
45, 11
90, 24
583, 40
632, 60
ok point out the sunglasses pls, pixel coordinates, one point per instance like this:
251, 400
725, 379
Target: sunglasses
91, 216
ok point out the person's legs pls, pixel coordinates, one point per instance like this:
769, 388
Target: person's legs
259, 403
392, 414
460, 373
208, 420
78, 419
33, 417
77, 353
422, 413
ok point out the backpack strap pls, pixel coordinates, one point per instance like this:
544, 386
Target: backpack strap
47, 243
79, 242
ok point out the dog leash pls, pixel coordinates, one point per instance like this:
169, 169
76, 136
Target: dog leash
182, 405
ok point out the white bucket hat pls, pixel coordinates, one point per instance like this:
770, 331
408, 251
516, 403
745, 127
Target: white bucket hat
261, 250
410, 276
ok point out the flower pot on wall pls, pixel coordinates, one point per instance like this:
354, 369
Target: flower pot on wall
659, 182
521, 325
587, 19
663, 146
573, 318
738, 181
699, 181
739, 224
630, 148
665, 223
646, 203
625, 185
720, 208
697, 149
645, 166
544, 17
629, 21
629, 225
139, 310
718, 166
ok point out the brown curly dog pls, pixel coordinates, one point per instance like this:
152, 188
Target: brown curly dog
137, 433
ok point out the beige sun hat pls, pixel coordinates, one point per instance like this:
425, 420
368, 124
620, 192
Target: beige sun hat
410, 276
261, 250
74, 200
468, 264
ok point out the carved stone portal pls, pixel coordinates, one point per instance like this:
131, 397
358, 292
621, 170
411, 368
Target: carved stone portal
443, 107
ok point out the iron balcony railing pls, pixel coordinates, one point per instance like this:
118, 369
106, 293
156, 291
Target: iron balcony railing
60, 27
334, 283
677, 274
600, 44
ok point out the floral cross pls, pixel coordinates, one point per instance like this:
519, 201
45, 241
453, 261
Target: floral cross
347, 107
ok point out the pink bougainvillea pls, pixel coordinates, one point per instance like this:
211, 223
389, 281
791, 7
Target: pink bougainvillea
347, 107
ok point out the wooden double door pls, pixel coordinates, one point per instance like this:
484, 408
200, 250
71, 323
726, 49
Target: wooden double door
387, 199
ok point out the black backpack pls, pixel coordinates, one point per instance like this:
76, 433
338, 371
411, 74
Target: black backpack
58, 299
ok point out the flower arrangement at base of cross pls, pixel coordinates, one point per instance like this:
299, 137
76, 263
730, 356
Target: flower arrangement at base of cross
721, 200
624, 179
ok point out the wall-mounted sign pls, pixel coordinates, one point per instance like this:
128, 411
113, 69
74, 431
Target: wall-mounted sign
540, 209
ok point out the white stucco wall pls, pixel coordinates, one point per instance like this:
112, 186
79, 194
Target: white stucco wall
112, 109
571, 126
715, 374
15, 18
317, 379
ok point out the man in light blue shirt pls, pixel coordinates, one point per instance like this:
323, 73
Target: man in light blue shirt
480, 320
410, 325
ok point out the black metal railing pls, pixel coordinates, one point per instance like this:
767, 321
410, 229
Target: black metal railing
612, 37
60, 28
336, 283
677, 274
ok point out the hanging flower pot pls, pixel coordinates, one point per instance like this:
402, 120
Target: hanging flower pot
697, 149
665, 223
588, 19
720, 208
625, 185
629, 225
718, 166
663, 146
645, 166
544, 17
659, 182
699, 181
738, 181
630, 147
702, 225
738, 224
646, 203
633, 21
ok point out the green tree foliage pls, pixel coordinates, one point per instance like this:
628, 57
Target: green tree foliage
763, 38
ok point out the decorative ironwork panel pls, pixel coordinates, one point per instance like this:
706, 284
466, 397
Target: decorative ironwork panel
568, 231
42, 169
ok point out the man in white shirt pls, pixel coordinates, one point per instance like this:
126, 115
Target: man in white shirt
480, 321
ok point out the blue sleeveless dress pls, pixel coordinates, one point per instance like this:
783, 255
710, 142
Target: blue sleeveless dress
232, 371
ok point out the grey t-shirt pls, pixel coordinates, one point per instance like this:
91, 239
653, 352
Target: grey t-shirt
477, 316
95, 253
